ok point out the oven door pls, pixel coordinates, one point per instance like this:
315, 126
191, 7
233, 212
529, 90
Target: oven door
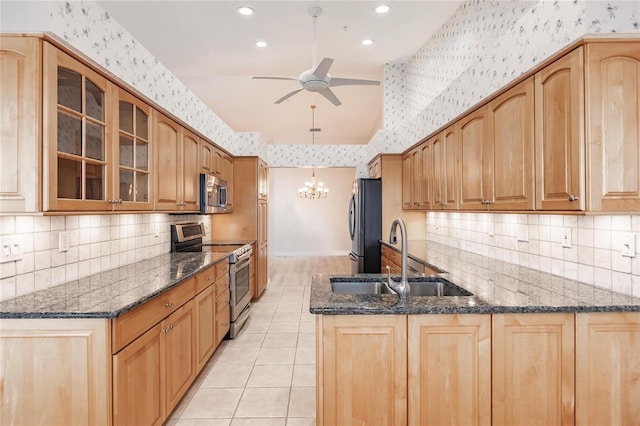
239, 286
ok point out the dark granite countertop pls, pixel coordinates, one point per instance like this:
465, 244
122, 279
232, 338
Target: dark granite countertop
230, 242
497, 287
111, 293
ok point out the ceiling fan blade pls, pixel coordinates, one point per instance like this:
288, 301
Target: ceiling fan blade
323, 68
327, 93
352, 82
287, 96
274, 78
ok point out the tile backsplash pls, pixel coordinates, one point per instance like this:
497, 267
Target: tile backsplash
594, 257
96, 243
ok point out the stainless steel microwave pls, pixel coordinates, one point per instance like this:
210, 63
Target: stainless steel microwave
213, 194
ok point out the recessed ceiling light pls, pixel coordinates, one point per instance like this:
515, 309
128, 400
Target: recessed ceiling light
245, 10
367, 42
383, 8
261, 43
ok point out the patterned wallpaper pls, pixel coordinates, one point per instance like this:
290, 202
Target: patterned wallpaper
483, 46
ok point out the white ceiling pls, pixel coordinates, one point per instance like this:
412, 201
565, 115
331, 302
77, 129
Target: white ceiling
211, 49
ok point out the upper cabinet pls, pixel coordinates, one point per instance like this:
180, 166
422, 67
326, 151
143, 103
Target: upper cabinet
20, 112
263, 180
177, 164
227, 175
132, 154
613, 127
566, 138
76, 122
559, 134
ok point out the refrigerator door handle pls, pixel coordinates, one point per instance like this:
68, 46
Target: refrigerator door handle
353, 257
352, 216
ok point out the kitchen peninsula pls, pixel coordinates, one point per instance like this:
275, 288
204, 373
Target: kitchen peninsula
526, 347
118, 347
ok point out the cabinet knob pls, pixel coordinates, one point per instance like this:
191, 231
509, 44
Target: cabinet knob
169, 304
119, 200
573, 198
208, 278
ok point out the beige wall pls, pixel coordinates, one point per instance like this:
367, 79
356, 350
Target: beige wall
300, 227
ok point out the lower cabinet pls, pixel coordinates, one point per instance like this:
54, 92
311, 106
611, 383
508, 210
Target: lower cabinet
449, 367
499, 369
205, 304
608, 368
222, 316
362, 378
533, 369
180, 362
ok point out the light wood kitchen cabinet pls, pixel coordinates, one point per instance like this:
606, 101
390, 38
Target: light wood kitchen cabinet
390, 258
412, 179
361, 370
426, 176
177, 166
449, 369
132, 153
444, 170
248, 221
55, 372
559, 134
607, 368
533, 358
613, 128
510, 173
474, 151
21, 115
77, 120
179, 352
138, 387
206, 157
375, 168
227, 175
205, 305
223, 314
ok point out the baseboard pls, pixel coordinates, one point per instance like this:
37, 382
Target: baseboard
308, 253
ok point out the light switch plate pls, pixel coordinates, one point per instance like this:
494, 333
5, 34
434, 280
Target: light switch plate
11, 248
565, 238
629, 245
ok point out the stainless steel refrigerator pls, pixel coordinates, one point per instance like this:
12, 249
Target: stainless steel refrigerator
365, 225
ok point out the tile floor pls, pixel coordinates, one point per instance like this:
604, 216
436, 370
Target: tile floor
266, 376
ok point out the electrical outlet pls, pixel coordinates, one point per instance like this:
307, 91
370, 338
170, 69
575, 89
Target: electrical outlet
156, 230
63, 241
490, 229
11, 249
628, 248
566, 237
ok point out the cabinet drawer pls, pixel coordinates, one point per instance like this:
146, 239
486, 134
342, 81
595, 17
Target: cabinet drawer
222, 299
392, 255
132, 324
205, 278
222, 284
222, 269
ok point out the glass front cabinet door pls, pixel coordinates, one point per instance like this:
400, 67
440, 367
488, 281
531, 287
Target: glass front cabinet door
96, 140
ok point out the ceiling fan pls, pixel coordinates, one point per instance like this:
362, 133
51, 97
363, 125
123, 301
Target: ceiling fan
317, 79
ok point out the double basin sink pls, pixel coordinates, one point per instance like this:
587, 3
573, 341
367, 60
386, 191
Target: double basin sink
418, 286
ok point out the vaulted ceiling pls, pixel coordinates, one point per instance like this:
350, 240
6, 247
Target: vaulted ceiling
211, 48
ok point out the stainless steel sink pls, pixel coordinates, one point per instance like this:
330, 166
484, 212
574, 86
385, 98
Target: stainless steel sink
419, 286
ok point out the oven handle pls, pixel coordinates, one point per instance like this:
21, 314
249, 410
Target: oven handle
241, 264
244, 256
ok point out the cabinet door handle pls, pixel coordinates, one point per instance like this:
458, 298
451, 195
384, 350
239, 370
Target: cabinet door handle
573, 198
169, 304
208, 278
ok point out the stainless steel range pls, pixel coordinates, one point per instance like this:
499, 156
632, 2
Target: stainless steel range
187, 237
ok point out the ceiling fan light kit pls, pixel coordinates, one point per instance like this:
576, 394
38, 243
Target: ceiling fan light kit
317, 79
313, 190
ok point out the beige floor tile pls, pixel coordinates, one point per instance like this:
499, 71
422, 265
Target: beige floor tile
304, 375
307, 327
266, 307
303, 402
284, 326
246, 339
212, 403
265, 421
307, 316
263, 402
289, 307
280, 339
232, 355
301, 421
262, 316
286, 316
221, 376
270, 376
201, 422
305, 355
256, 325
307, 340
268, 356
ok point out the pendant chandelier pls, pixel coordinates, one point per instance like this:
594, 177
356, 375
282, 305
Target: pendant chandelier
313, 189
